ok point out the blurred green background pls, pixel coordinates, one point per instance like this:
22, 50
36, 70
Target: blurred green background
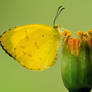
13, 77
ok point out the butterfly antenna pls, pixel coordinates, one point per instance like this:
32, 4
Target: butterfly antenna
60, 8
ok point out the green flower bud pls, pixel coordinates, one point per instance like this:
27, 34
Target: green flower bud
76, 66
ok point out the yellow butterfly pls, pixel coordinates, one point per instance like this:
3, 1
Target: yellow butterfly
34, 46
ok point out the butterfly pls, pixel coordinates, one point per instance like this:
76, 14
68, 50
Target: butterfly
34, 46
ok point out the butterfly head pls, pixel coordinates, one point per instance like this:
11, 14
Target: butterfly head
56, 26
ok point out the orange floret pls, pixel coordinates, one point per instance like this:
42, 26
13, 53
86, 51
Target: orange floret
74, 45
66, 33
82, 34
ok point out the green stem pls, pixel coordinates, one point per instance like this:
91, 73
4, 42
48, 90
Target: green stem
80, 90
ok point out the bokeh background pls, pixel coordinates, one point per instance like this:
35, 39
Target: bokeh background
13, 77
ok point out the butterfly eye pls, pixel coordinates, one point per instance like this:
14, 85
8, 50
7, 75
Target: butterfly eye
56, 26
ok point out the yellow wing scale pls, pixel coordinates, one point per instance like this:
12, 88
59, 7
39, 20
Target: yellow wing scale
33, 46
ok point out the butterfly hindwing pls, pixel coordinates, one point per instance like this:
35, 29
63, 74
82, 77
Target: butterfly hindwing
33, 46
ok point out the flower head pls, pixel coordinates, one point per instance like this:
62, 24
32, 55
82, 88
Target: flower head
77, 60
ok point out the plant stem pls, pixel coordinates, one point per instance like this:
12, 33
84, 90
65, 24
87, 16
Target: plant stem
80, 90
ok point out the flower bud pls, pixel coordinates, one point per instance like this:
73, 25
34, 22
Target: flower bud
76, 65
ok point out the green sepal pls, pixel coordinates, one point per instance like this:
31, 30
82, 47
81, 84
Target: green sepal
76, 70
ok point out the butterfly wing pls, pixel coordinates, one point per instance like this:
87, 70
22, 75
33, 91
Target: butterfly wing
33, 46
